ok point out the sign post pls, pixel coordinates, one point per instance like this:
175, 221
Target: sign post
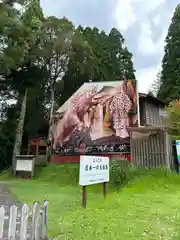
84, 196
105, 189
178, 153
93, 170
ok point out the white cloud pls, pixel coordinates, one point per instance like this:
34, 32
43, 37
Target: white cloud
156, 19
126, 14
50, 8
146, 44
149, 5
146, 77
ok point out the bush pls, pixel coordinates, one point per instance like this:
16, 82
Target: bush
121, 172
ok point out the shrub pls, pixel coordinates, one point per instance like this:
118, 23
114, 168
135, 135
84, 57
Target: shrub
121, 172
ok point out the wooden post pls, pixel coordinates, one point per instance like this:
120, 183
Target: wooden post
12, 222
84, 196
131, 149
45, 214
2, 216
24, 222
35, 224
33, 167
29, 146
41, 226
37, 146
167, 146
104, 189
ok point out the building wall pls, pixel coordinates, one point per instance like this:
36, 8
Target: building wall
152, 114
153, 151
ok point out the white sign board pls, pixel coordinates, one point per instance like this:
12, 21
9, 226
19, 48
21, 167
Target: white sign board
24, 165
93, 169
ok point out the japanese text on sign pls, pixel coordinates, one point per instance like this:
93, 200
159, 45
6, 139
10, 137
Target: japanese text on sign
119, 148
93, 170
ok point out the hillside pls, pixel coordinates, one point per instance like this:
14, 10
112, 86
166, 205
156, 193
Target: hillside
146, 208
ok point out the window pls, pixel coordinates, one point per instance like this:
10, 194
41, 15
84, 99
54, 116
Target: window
162, 112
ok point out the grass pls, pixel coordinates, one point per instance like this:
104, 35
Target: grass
146, 208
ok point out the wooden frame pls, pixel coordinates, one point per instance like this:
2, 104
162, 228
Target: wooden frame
25, 158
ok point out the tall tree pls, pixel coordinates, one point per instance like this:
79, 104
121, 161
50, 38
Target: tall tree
55, 48
81, 66
19, 34
170, 79
119, 57
173, 110
110, 60
31, 19
155, 86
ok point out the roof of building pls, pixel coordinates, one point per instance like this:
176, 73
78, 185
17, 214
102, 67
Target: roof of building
151, 98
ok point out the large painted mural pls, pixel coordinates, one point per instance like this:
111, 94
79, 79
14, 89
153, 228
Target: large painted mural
96, 119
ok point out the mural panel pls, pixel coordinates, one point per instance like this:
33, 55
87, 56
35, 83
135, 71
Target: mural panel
96, 119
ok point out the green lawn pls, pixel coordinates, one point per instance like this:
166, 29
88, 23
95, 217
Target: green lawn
148, 208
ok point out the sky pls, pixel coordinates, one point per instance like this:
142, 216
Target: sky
143, 23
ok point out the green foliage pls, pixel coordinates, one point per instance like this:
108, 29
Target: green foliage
170, 76
123, 173
173, 110
69, 173
7, 132
19, 32
120, 173
106, 60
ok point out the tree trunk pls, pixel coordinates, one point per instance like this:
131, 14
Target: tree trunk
19, 130
49, 144
52, 101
